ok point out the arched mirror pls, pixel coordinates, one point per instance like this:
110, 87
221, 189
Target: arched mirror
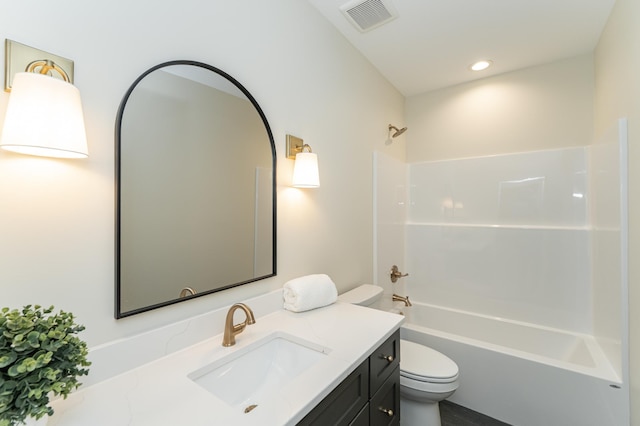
195, 187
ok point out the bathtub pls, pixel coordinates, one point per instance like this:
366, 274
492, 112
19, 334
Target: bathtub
520, 373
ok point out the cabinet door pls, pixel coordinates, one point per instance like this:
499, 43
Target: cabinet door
384, 407
363, 417
384, 361
344, 403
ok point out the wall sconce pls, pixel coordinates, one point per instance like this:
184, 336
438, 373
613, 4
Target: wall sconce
305, 170
44, 114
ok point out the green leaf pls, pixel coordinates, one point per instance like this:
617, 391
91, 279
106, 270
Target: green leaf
34, 339
7, 358
29, 364
8, 386
56, 334
14, 370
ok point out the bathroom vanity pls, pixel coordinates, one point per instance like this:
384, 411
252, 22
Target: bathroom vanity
334, 356
369, 396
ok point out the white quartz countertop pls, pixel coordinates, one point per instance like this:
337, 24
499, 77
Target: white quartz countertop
161, 392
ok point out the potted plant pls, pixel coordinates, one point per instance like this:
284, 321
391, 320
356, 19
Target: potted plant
40, 356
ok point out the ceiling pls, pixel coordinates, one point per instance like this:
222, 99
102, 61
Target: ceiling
432, 43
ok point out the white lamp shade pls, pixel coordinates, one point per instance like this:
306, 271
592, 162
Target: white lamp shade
44, 117
305, 171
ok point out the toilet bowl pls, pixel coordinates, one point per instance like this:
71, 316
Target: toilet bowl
426, 378
426, 375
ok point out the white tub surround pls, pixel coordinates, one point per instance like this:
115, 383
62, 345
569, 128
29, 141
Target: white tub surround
504, 236
161, 392
537, 237
518, 272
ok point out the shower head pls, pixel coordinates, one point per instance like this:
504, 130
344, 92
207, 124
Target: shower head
398, 132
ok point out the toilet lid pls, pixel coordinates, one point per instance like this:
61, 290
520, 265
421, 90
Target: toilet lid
422, 363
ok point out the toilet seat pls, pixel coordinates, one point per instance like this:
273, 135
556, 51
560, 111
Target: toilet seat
426, 390
422, 364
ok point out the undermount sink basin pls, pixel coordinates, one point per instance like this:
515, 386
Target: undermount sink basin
244, 378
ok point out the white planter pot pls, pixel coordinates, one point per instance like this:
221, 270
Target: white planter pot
30, 421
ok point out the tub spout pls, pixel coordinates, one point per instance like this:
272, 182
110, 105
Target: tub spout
398, 298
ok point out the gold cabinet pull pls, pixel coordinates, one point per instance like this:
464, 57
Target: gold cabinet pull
387, 411
389, 358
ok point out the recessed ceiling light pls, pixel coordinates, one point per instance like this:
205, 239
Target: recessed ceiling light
481, 65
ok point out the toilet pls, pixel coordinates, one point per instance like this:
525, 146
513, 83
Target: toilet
426, 375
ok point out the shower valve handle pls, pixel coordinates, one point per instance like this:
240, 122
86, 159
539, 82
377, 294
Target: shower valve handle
395, 274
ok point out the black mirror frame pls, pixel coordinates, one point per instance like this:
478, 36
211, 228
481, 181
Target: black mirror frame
118, 127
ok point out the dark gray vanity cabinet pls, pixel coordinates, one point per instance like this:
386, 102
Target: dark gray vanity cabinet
344, 403
384, 406
370, 395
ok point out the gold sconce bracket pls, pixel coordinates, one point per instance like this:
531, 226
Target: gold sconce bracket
294, 146
19, 57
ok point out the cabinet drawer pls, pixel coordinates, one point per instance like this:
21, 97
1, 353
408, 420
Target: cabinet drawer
384, 407
344, 403
383, 361
363, 417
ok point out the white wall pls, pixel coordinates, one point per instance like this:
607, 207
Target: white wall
544, 107
617, 77
57, 217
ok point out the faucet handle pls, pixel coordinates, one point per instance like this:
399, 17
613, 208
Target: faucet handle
395, 274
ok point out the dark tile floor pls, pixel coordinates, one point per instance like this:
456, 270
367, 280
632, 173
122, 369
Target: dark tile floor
456, 415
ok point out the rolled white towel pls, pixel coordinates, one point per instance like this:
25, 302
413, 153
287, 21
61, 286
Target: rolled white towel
309, 292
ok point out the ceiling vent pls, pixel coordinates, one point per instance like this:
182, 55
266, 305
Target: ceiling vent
369, 14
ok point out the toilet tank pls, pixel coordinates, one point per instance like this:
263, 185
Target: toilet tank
363, 295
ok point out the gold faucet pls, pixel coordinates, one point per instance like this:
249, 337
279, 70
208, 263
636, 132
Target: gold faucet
187, 291
398, 298
230, 330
